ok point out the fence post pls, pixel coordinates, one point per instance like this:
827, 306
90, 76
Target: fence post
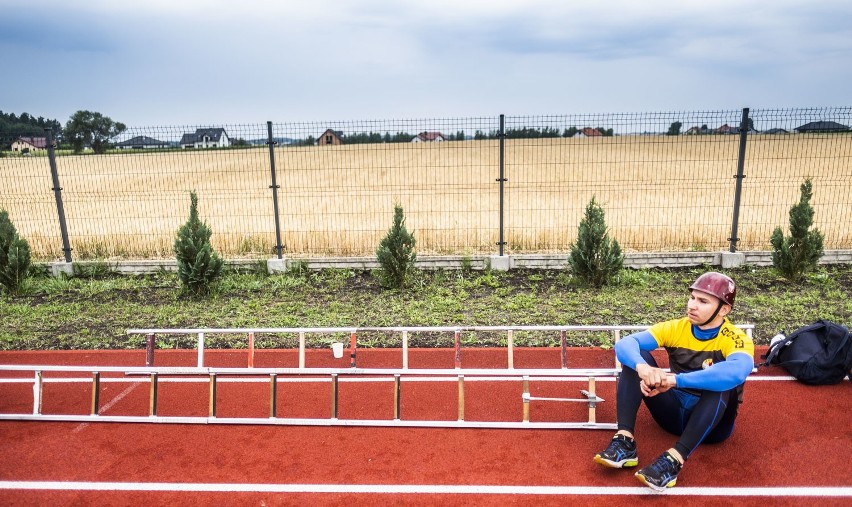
274, 187
739, 177
57, 192
501, 135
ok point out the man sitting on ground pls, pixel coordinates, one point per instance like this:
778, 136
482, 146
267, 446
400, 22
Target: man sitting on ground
709, 361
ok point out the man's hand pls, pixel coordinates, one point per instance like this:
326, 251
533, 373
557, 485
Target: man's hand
654, 380
650, 375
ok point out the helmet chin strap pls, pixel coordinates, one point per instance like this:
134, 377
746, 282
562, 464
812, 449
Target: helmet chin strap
718, 308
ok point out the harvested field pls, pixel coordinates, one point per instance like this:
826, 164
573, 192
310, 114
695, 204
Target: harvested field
659, 193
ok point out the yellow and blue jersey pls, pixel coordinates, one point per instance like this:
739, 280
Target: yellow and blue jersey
688, 353
716, 359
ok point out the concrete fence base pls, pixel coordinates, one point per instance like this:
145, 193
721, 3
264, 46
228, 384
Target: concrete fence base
724, 260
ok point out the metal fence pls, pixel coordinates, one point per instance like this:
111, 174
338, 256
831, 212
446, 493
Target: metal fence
674, 181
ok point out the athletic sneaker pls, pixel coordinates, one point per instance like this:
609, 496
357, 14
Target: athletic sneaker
620, 453
660, 474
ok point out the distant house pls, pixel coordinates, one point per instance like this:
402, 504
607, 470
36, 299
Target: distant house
330, 137
727, 129
775, 131
29, 144
429, 137
696, 131
206, 138
821, 126
141, 142
588, 132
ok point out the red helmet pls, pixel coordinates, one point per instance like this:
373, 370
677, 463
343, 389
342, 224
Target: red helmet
717, 285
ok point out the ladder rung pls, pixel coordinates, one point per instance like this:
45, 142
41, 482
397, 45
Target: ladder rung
595, 399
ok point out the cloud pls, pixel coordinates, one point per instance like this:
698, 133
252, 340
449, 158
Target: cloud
191, 61
34, 30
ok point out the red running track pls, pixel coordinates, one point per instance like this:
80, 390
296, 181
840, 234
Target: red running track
791, 446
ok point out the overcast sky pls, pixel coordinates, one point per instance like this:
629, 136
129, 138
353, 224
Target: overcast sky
218, 62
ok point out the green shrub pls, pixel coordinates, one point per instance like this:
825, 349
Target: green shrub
198, 264
595, 259
14, 255
799, 253
396, 254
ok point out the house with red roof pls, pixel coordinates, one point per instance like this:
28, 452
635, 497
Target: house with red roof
29, 144
429, 137
589, 132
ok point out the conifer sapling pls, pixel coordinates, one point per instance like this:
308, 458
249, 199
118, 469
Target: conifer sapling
14, 255
800, 252
595, 259
198, 264
396, 253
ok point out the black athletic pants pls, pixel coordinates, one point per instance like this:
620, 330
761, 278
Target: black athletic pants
708, 417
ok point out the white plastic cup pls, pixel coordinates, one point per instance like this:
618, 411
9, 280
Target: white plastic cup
337, 348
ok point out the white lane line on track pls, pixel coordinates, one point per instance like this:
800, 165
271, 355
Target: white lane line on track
428, 489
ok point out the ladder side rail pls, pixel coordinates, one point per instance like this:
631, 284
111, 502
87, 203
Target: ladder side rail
302, 331
256, 372
399, 329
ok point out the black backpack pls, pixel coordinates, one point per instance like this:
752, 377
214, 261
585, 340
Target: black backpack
818, 354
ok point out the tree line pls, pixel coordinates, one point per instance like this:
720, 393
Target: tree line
25, 125
85, 129
88, 129
460, 135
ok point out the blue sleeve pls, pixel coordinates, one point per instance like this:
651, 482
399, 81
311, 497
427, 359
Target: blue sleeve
628, 349
723, 376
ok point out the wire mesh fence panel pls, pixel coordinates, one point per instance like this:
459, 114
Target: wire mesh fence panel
340, 182
150, 191
789, 147
27, 196
129, 202
658, 191
666, 181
